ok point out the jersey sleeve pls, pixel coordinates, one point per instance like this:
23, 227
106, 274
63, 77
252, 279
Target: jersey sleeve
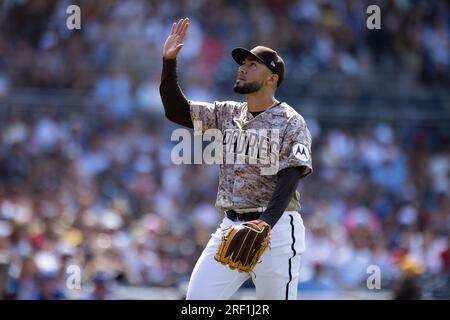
295, 149
205, 115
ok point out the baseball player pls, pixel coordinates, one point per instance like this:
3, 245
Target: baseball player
246, 196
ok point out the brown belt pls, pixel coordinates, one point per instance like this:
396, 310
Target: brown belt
247, 216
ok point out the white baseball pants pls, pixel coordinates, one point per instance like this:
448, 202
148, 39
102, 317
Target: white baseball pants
275, 276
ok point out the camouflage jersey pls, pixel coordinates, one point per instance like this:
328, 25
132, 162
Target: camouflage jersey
254, 150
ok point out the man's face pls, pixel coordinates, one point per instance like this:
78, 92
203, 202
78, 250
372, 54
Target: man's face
251, 77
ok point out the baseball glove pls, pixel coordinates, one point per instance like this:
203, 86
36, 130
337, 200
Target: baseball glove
242, 246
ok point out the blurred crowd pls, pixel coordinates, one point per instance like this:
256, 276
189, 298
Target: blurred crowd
90, 199
117, 52
391, 211
103, 195
98, 194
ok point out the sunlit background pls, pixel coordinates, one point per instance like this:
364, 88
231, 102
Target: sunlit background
86, 178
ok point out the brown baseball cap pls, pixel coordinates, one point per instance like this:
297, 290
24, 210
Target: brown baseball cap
265, 55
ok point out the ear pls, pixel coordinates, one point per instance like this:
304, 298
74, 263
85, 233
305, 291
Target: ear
273, 80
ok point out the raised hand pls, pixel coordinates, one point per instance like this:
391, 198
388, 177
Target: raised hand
174, 41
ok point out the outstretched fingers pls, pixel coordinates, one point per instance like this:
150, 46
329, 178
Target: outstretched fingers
184, 28
174, 43
174, 26
181, 26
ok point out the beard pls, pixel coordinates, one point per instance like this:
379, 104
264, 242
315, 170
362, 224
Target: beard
247, 87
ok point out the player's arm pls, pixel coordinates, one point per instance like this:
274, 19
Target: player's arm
287, 182
295, 163
176, 106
